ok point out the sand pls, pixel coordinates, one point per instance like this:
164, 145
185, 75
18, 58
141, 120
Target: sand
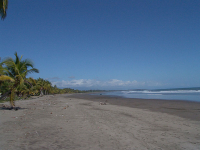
78, 122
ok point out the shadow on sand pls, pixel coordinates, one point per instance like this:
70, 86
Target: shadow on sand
5, 107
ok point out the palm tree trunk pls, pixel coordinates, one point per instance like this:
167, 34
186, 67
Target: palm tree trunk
41, 92
12, 98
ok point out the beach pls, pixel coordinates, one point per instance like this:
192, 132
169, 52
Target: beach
79, 122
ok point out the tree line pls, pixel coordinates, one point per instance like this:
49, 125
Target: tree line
15, 83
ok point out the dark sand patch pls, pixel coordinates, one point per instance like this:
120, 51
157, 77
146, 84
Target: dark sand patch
185, 109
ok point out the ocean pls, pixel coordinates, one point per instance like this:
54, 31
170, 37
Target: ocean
188, 94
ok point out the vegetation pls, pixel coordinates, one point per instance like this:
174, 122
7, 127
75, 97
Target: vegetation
15, 84
3, 8
16, 72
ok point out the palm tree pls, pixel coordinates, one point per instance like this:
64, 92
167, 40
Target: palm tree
4, 77
31, 86
40, 85
21, 90
3, 8
44, 86
17, 70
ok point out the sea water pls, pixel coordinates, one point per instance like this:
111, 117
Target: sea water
167, 94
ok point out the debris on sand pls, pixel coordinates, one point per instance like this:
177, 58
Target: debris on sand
103, 103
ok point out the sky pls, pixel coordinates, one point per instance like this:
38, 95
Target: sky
106, 44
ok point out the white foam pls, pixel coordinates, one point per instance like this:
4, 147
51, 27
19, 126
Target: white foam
162, 92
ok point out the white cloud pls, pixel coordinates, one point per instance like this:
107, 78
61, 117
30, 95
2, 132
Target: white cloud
114, 83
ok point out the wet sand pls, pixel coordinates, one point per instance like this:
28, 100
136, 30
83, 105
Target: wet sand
78, 122
186, 109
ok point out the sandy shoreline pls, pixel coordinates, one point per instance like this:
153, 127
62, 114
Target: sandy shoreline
186, 109
79, 122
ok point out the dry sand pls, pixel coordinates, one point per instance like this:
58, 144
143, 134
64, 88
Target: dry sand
78, 122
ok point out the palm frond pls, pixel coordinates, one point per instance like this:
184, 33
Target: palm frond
6, 78
28, 63
2, 70
33, 70
28, 83
3, 8
31, 80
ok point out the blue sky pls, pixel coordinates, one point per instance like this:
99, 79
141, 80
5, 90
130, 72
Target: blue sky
107, 44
